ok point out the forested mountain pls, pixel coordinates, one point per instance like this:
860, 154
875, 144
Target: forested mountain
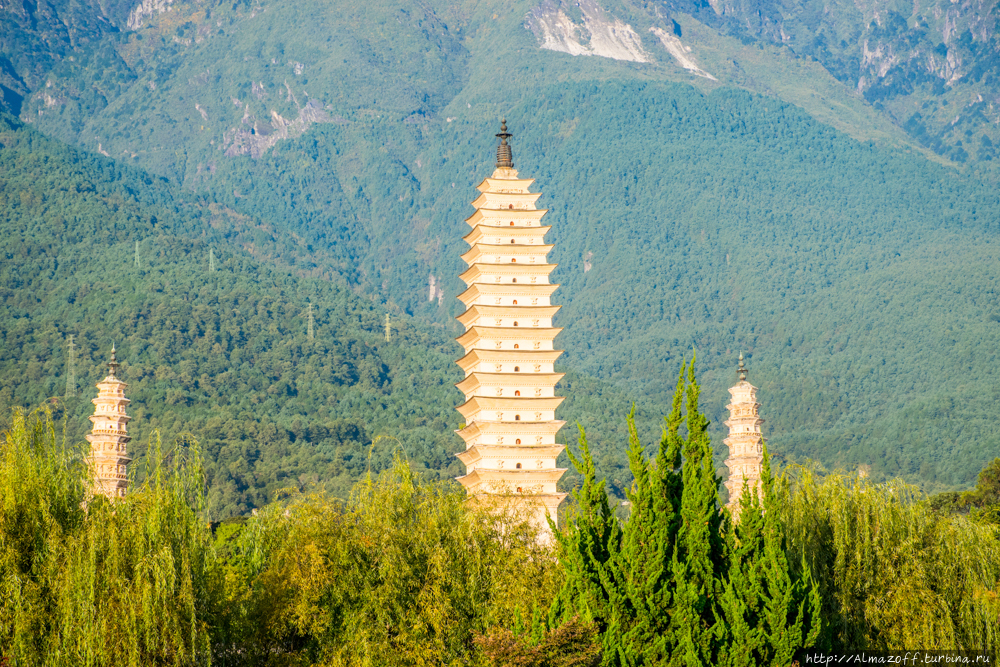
214, 343
714, 182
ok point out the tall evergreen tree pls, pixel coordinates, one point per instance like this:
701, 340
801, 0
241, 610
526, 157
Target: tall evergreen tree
643, 634
699, 554
586, 548
770, 614
674, 585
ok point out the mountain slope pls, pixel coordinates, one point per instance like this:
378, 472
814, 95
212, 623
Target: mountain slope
221, 354
686, 214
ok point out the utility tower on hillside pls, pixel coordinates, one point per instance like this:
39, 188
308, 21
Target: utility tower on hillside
137, 254
309, 331
71, 369
388, 329
211, 261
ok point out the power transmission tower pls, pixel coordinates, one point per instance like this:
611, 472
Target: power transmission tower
71, 370
137, 254
310, 321
388, 328
211, 261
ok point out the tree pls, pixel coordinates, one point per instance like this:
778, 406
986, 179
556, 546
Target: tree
573, 644
672, 585
770, 612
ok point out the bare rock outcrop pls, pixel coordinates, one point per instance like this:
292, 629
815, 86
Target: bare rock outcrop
594, 33
256, 139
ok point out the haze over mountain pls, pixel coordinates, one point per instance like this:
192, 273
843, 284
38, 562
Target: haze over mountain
811, 183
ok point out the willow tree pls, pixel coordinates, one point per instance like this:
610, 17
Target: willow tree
404, 572
893, 573
85, 581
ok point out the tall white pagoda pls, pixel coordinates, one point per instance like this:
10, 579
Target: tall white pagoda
745, 442
509, 386
108, 437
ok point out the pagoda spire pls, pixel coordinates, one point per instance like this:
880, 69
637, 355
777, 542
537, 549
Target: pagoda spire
509, 386
505, 156
108, 437
745, 442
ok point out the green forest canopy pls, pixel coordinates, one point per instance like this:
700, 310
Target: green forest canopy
221, 355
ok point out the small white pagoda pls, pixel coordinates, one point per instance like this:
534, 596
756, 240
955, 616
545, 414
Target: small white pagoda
108, 437
745, 442
509, 386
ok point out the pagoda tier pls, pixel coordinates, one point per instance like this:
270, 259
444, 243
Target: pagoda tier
498, 232
500, 338
507, 294
493, 433
509, 272
509, 316
509, 386
745, 441
108, 437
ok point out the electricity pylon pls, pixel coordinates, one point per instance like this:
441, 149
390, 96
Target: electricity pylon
310, 330
388, 328
211, 261
71, 370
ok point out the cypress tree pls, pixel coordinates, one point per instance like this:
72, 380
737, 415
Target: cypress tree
585, 548
643, 633
770, 613
699, 628
676, 584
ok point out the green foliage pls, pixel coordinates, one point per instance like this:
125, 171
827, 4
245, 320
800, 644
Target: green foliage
982, 501
404, 573
698, 562
572, 644
87, 582
771, 611
407, 572
221, 355
675, 584
891, 571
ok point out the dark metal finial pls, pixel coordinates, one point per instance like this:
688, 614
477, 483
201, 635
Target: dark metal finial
505, 158
741, 371
113, 364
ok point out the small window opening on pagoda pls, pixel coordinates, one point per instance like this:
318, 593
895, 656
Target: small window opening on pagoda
513, 259
514, 280
518, 466
510, 206
512, 240
518, 441
517, 418
515, 324
511, 223
517, 369
516, 346
515, 302
519, 489
517, 393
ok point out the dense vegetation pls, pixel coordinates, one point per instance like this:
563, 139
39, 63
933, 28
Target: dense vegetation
402, 573
222, 355
854, 276
405, 572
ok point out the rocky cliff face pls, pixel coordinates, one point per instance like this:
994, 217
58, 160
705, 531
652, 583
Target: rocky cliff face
591, 32
932, 66
36, 36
